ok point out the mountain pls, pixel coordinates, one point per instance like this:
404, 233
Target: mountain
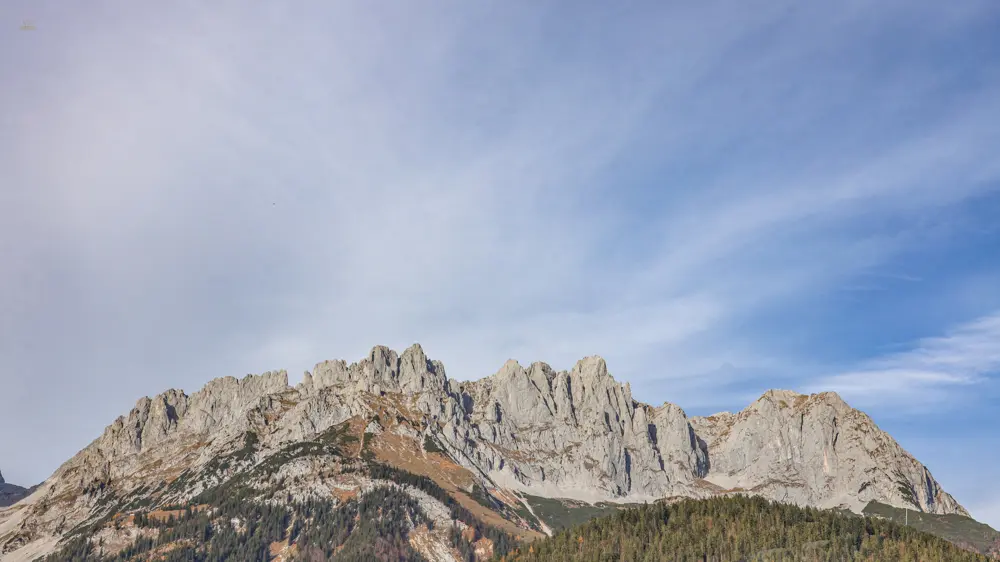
498, 450
11, 494
816, 450
740, 528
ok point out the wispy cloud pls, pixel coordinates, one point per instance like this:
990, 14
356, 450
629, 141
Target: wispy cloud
204, 190
966, 355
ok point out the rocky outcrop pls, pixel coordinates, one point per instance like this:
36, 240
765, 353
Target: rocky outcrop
11, 494
575, 434
816, 450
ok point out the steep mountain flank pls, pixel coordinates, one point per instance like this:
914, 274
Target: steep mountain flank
489, 444
816, 450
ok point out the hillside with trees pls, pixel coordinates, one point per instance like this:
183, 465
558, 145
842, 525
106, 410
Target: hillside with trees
231, 523
740, 528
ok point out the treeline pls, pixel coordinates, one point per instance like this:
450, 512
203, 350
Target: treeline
196, 536
502, 542
739, 529
235, 526
374, 527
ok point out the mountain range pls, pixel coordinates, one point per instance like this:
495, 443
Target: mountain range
521, 452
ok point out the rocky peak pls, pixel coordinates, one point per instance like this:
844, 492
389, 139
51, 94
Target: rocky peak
383, 370
11, 494
420, 375
833, 400
221, 404
591, 368
816, 450
778, 394
790, 398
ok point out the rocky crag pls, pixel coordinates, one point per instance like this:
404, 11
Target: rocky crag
522, 432
9, 493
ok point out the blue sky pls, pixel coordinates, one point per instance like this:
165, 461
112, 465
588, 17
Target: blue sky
718, 198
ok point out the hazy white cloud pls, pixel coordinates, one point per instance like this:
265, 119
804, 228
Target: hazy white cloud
200, 191
987, 510
927, 373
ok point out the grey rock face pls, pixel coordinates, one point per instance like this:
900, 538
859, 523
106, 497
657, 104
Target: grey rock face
572, 434
816, 450
576, 434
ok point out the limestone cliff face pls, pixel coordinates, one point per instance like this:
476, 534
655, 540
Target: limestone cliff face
816, 450
576, 434
569, 434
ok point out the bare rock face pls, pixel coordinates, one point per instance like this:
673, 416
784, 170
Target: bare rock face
816, 450
572, 434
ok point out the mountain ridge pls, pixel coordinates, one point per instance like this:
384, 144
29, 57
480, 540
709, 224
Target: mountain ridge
575, 434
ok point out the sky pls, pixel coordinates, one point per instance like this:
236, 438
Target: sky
717, 197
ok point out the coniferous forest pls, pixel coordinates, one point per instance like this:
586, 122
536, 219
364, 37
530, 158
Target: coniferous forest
236, 527
738, 529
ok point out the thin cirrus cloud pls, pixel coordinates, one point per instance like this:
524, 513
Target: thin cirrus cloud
934, 367
203, 191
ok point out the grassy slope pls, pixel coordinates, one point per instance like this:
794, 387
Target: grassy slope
559, 513
955, 528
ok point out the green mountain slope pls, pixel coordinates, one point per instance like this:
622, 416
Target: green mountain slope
963, 531
740, 528
560, 513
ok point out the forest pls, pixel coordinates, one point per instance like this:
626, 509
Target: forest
739, 529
